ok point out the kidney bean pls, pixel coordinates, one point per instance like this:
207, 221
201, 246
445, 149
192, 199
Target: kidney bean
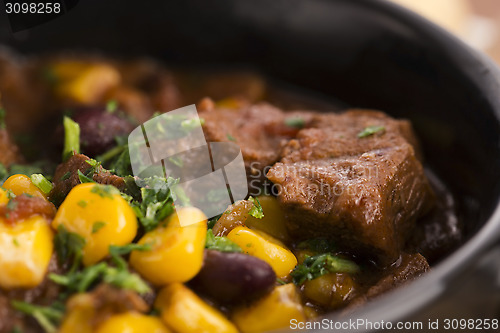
233, 278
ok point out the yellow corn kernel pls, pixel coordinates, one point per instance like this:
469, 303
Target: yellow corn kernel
100, 215
84, 82
184, 312
272, 312
330, 290
177, 252
80, 312
273, 222
132, 322
26, 248
4, 199
20, 184
265, 247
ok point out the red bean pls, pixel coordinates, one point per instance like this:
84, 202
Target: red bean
98, 129
233, 278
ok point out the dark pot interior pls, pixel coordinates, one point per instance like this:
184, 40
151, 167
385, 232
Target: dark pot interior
363, 53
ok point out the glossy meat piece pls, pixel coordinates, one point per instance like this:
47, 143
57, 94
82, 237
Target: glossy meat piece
66, 177
25, 207
259, 130
336, 135
366, 193
406, 269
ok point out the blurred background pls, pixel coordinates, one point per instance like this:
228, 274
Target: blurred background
475, 21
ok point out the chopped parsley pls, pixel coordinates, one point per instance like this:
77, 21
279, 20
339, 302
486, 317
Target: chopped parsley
370, 130
256, 211
319, 265
98, 226
111, 106
295, 122
41, 182
69, 246
11, 205
155, 203
230, 137
65, 176
117, 251
82, 203
84, 178
48, 317
318, 245
81, 281
71, 138
104, 191
280, 281
120, 276
222, 244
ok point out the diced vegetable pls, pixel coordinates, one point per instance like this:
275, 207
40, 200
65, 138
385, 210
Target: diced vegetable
20, 184
219, 243
83, 82
176, 253
318, 265
184, 312
273, 220
273, 312
71, 138
4, 198
26, 249
265, 247
79, 315
132, 322
103, 203
330, 290
41, 182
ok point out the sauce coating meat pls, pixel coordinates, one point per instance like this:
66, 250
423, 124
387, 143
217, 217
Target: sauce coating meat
341, 209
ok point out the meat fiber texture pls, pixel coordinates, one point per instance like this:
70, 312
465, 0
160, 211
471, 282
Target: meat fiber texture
259, 130
364, 192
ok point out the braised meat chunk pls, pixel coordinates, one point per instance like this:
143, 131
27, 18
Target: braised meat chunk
365, 192
259, 129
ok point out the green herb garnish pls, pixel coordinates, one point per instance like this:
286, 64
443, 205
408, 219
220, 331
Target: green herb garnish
48, 317
104, 191
370, 130
71, 138
318, 245
84, 178
295, 122
319, 265
69, 246
118, 276
230, 137
41, 182
98, 226
155, 203
111, 106
256, 211
222, 244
